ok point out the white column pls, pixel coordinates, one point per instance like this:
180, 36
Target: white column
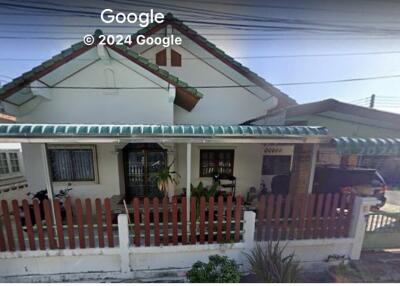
361, 207
249, 225
188, 178
47, 176
312, 168
123, 235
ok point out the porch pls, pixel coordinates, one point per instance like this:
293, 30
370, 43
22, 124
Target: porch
133, 234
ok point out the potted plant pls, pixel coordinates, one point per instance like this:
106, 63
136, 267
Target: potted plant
164, 176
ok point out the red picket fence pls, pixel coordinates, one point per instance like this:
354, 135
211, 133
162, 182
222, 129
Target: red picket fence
155, 222
75, 225
303, 216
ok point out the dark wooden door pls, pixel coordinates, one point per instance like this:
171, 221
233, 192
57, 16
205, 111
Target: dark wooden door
141, 163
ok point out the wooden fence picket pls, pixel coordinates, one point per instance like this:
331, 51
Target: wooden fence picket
238, 213
156, 222
39, 227
174, 221
220, 214
228, 219
277, 218
136, 221
268, 220
7, 224
146, 220
49, 224
193, 216
110, 235
165, 221
79, 221
99, 222
261, 217
202, 226
18, 226
210, 231
89, 223
28, 224
184, 220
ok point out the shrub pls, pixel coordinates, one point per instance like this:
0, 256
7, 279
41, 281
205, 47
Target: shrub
219, 269
269, 264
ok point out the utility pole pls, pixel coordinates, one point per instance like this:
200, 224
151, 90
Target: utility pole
372, 101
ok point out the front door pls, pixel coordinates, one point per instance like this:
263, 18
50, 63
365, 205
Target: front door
141, 163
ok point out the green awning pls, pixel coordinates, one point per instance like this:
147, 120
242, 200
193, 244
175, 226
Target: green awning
106, 130
367, 146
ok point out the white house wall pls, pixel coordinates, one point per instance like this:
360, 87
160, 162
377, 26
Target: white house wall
86, 105
230, 105
246, 169
107, 164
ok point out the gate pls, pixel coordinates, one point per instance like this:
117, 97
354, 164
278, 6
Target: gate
382, 230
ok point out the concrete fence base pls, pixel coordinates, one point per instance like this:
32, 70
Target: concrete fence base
152, 263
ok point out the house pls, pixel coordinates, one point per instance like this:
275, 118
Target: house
346, 120
142, 86
105, 118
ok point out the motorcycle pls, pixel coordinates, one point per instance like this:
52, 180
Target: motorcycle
41, 196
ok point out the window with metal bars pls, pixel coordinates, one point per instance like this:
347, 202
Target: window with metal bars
69, 164
216, 162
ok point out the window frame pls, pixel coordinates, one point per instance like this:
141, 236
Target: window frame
217, 151
76, 146
10, 173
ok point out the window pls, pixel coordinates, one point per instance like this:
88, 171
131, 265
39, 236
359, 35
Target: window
9, 164
72, 163
3, 164
14, 162
161, 58
216, 162
276, 165
176, 59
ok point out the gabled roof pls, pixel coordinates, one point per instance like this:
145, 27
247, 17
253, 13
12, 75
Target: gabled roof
186, 96
335, 106
283, 99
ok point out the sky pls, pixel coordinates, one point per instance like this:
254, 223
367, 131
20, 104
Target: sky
311, 50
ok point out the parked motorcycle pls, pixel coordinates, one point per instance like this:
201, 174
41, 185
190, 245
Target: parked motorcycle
41, 196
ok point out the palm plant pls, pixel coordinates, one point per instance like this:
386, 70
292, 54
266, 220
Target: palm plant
271, 266
164, 176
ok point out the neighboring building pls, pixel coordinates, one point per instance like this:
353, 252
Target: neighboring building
344, 120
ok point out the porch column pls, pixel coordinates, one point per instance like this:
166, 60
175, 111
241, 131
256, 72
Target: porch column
314, 153
188, 178
47, 176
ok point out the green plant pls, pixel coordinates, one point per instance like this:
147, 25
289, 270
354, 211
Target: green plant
163, 176
219, 269
201, 191
270, 265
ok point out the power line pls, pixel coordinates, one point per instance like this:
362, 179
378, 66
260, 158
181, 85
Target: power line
245, 57
233, 86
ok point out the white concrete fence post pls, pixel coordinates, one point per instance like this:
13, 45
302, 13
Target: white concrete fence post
123, 234
362, 206
249, 226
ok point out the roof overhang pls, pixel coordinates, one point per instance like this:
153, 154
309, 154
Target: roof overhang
106, 133
367, 146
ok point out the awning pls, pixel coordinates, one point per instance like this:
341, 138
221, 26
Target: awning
367, 146
107, 132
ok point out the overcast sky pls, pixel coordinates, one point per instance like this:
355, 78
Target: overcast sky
288, 42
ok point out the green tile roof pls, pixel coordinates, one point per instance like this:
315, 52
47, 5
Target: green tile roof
367, 146
106, 130
29, 76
